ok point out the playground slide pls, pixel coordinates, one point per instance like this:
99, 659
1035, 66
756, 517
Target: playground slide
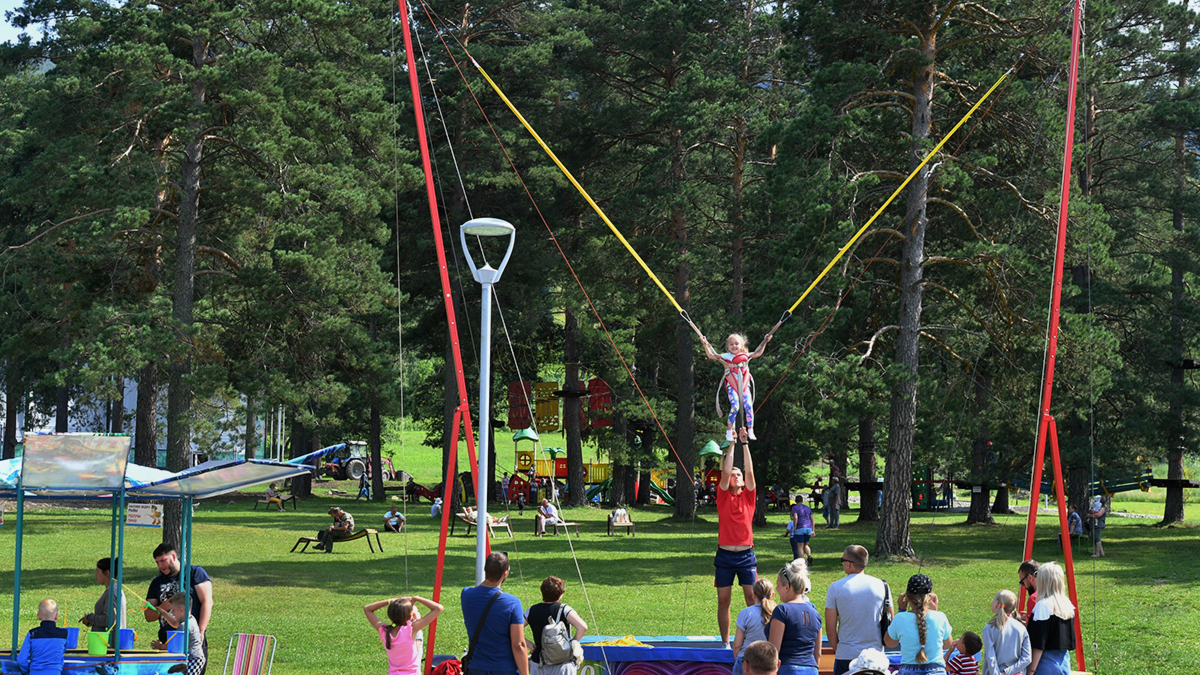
662, 494
598, 488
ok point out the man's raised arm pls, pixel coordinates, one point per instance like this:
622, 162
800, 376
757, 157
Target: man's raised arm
748, 469
726, 467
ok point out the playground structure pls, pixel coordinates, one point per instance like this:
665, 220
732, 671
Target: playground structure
96, 467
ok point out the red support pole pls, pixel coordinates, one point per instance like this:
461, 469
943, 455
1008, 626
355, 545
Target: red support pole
1065, 534
462, 412
1046, 427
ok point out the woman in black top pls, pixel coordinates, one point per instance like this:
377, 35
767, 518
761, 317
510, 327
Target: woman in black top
1052, 624
543, 614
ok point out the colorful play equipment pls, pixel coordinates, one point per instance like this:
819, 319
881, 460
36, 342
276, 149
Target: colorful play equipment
595, 412
96, 467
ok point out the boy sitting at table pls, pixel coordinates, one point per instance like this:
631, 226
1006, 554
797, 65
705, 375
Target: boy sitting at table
171, 610
43, 649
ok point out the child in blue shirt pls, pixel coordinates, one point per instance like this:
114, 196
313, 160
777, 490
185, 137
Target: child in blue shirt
44, 646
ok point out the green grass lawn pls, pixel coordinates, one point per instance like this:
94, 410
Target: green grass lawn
1139, 606
425, 463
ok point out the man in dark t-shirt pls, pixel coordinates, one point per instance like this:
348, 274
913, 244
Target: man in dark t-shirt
167, 583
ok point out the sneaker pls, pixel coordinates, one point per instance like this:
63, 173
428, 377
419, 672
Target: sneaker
750, 434
729, 435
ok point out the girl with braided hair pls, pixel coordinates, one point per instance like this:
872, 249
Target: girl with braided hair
922, 633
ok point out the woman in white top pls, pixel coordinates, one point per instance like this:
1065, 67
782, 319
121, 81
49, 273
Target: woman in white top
1005, 640
752, 621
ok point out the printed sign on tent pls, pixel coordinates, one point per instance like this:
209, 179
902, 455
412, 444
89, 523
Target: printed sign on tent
144, 515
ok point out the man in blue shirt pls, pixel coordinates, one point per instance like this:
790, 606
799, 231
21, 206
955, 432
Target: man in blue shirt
44, 646
500, 646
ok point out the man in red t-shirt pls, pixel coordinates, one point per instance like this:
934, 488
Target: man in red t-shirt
735, 532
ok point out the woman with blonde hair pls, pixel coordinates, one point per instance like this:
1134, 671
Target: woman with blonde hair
752, 621
1005, 641
922, 633
1052, 624
795, 628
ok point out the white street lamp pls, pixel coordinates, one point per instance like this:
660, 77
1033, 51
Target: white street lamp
487, 275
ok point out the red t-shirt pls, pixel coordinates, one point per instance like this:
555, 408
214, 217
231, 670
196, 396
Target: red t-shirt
735, 516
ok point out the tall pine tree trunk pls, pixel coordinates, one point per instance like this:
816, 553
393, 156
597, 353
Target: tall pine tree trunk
980, 490
301, 444
893, 534
62, 412
13, 394
737, 217
145, 440
179, 385
868, 509
1177, 427
251, 429
375, 427
117, 408
685, 413
576, 477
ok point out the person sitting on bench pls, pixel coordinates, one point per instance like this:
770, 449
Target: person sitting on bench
273, 497
342, 527
547, 514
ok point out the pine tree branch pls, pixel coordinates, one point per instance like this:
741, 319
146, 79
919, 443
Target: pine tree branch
53, 228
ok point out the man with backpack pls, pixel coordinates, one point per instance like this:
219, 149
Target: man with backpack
555, 652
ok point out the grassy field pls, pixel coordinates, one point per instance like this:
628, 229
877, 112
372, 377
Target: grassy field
425, 463
1139, 606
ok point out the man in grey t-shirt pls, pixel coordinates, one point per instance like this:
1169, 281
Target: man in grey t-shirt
853, 606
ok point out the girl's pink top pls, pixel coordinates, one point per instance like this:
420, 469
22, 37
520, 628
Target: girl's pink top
404, 657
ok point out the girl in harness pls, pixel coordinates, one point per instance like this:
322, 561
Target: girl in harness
738, 381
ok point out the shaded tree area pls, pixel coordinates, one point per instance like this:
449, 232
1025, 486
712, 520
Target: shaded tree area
220, 201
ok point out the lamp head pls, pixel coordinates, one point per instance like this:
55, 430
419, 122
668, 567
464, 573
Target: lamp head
490, 228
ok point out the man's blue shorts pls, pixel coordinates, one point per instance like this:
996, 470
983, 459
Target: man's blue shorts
740, 564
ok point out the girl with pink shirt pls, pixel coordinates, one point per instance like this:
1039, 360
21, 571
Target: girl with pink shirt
402, 638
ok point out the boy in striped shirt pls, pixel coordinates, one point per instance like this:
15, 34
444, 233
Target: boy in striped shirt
964, 663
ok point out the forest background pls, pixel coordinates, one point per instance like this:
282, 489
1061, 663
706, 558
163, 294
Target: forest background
224, 201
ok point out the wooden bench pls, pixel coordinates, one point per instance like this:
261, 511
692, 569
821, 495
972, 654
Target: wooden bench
625, 522
563, 524
471, 524
282, 498
361, 534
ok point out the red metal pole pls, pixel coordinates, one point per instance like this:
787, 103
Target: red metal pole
462, 412
1046, 426
1065, 534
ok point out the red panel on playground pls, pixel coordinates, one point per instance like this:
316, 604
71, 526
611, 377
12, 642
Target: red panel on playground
518, 407
600, 403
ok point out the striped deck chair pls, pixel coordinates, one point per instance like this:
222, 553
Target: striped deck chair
250, 655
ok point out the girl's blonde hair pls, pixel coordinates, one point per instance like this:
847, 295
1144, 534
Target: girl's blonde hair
1007, 600
739, 336
795, 576
764, 590
1052, 590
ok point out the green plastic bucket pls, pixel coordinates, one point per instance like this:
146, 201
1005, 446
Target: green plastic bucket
97, 643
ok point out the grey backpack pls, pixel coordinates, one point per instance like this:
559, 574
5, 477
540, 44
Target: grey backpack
556, 641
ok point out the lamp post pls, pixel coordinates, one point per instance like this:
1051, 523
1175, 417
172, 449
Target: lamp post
486, 276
